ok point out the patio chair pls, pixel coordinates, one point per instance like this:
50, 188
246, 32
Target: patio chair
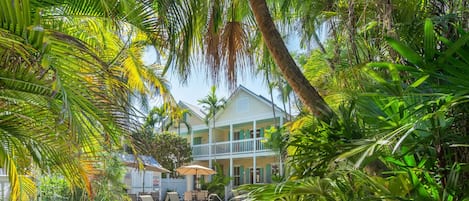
155, 196
146, 198
172, 196
187, 196
201, 195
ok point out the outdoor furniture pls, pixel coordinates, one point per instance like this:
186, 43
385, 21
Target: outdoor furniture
201, 195
146, 198
214, 197
188, 196
155, 196
172, 196
195, 170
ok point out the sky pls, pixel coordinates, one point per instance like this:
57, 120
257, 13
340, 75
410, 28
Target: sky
197, 86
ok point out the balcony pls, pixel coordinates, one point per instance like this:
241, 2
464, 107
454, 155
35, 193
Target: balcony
245, 146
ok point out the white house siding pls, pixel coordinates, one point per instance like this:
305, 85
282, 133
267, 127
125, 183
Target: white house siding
194, 120
233, 111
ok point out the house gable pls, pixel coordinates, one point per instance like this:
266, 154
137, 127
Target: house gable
245, 105
195, 116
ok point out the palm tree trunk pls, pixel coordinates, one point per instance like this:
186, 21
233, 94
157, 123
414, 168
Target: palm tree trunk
272, 100
353, 50
292, 73
323, 50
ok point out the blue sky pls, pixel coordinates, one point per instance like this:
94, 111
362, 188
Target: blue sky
197, 86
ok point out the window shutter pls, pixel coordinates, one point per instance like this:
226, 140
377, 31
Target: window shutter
262, 132
248, 176
241, 175
268, 173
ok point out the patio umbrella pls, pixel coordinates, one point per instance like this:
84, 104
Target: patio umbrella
148, 162
195, 170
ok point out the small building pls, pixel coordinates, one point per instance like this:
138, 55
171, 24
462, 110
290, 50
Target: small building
142, 181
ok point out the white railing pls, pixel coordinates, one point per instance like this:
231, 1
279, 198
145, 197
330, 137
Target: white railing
200, 150
223, 148
259, 145
242, 146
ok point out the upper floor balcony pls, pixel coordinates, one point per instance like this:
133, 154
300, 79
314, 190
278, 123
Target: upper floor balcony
227, 148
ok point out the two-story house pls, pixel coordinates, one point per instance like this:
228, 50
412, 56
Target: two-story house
237, 140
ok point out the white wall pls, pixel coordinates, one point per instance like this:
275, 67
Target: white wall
4, 187
171, 184
134, 181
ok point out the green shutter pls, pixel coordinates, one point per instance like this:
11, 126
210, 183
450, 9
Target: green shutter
197, 140
268, 173
261, 172
248, 134
241, 134
248, 176
262, 132
241, 175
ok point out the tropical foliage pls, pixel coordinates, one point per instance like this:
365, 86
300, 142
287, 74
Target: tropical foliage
68, 70
169, 149
400, 128
212, 104
217, 183
107, 184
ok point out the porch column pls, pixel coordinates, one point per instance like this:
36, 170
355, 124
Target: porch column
231, 156
231, 139
192, 138
189, 182
254, 134
210, 147
231, 172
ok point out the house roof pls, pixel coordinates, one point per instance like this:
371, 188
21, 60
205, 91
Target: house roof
197, 111
148, 162
193, 109
258, 96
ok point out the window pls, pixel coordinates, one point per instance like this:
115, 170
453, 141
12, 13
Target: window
236, 135
258, 133
236, 176
258, 175
197, 140
275, 170
242, 105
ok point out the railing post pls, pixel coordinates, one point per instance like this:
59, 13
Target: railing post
254, 133
231, 138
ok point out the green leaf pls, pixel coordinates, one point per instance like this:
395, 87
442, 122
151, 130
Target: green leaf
419, 81
395, 161
453, 47
409, 54
429, 40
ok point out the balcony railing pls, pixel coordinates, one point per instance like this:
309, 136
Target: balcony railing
224, 148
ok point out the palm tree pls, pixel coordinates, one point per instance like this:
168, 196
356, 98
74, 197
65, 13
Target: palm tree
64, 92
178, 116
212, 104
292, 73
227, 32
269, 72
